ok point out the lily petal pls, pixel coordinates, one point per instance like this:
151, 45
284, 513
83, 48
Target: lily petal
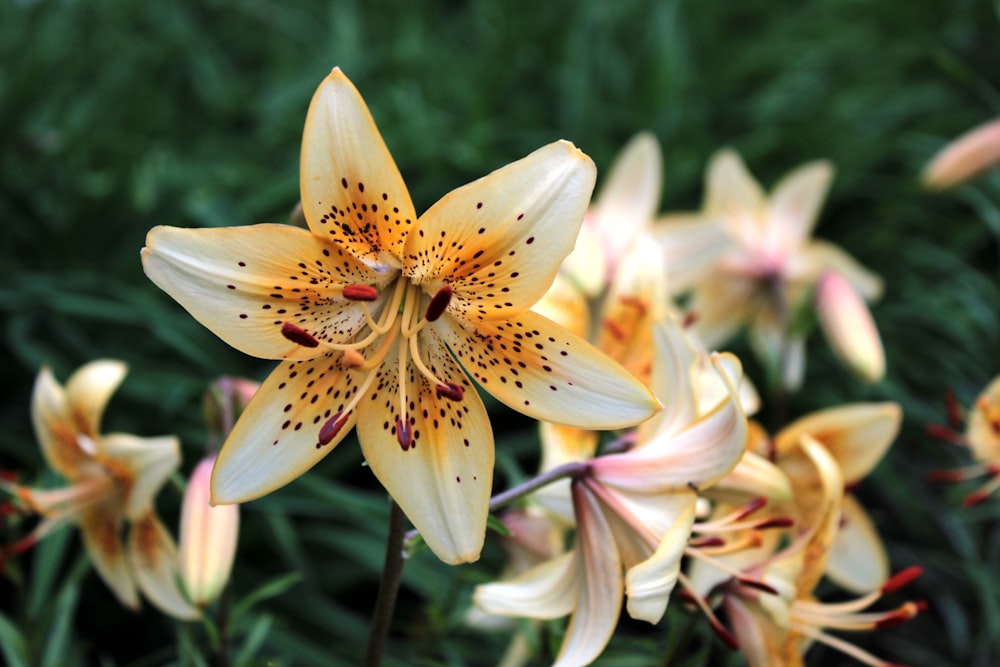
759, 636
674, 362
277, 438
547, 591
153, 556
540, 369
627, 200
857, 435
90, 388
722, 304
700, 455
818, 257
443, 477
144, 463
100, 529
858, 559
245, 283
586, 267
754, 476
691, 244
600, 597
734, 196
648, 585
56, 429
565, 305
796, 201
498, 241
352, 191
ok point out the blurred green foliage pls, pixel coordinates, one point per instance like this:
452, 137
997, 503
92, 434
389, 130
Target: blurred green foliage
118, 115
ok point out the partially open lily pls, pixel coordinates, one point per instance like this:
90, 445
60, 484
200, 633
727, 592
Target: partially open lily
634, 512
378, 316
764, 278
849, 327
113, 479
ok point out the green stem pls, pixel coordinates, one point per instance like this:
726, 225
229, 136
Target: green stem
388, 591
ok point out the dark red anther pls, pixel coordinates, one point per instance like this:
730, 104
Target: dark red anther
944, 433
439, 302
904, 613
404, 433
759, 585
451, 390
331, 428
775, 522
298, 335
901, 579
751, 507
952, 409
701, 542
975, 498
945, 476
723, 633
8, 475
360, 293
689, 319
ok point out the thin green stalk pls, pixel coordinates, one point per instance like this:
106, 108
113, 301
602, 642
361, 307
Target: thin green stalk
388, 591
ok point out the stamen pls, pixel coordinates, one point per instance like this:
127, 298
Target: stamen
900, 615
404, 433
953, 410
351, 358
775, 522
702, 542
944, 433
689, 319
451, 390
720, 630
757, 584
901, 579
360, 292
439, 302
840, 645
331, 428
298, 335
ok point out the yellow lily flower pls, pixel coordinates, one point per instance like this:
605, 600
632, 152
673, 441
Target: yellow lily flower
767, 272
378, 315
633, 513
113, 480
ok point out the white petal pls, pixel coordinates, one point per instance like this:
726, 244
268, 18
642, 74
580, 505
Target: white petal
549, 590
648, 585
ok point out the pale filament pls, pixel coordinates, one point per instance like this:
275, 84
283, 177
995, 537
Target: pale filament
844, 647
751, 540
820, 618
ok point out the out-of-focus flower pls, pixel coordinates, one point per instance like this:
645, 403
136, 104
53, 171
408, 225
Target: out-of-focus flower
378, 316
765, 277
849, 327
964, 158
982, 437
208, 538
633, 513
113, 479
776, 630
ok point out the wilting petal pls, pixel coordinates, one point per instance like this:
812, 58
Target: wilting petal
628, 197
600, 597
964, 158
691, 244
674, 362
244, 283
849, 327
734, 196
143, 465
208, 537
540, 369
795, 204
857, 435
277, 438
352, 192
89, 389
442, 478
498, 241
565, 305
858, 560
700, 455
56, 429
818, 257
100, 529
153, 557
547, 591
648, 585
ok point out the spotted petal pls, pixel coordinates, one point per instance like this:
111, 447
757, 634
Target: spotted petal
277, 437
540, 369
498, 241
442, 479
245, 283
153, 557
352, 191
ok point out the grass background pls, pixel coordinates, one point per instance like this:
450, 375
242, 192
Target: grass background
116, 116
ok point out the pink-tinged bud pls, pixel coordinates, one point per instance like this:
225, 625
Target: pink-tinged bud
964, 158
225, 401
298, 335
208, 538
360, 293
849, 327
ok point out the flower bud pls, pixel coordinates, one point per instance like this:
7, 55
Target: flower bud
208, 538
964, 158
224, 401
849, 327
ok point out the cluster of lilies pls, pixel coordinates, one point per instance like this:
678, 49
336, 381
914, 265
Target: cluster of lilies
587, 317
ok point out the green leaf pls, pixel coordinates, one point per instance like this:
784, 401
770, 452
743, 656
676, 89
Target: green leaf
269, 589
13, 647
